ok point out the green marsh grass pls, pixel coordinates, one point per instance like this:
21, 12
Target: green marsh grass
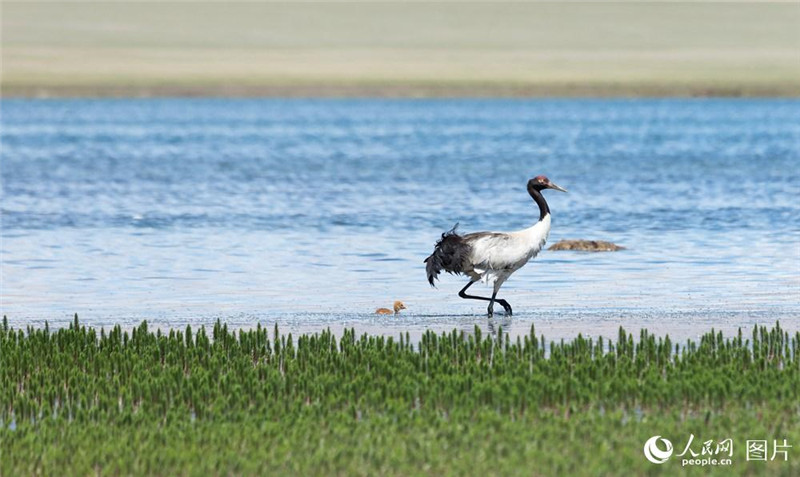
79, 400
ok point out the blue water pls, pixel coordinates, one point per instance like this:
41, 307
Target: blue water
312, 213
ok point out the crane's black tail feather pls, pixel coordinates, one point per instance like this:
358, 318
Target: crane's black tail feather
449, 254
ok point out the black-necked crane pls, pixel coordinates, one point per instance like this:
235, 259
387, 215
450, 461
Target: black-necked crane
491, 257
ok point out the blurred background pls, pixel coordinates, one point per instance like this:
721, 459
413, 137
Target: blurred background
407, 49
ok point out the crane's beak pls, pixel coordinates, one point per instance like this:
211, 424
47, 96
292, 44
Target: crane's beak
556, 187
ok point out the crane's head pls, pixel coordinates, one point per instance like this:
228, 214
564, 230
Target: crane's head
540, 183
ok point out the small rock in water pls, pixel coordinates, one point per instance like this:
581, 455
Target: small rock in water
586, 246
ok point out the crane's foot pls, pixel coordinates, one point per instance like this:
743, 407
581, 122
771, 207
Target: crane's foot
506, 307
491, 310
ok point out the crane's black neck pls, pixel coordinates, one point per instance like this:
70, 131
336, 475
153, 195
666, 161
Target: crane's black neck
536, 194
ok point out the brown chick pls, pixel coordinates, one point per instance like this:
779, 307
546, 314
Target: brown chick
398, 305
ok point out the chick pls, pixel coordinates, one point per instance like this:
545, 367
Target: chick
398, 305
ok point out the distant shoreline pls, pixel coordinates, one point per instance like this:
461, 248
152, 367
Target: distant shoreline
396, 50
407, 90
400, 50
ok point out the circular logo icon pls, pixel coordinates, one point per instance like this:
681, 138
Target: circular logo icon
653, 453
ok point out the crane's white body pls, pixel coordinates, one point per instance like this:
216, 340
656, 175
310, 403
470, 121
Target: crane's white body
496, 255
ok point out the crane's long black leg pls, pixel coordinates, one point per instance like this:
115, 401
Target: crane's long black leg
502, 302
462, 293
491, 304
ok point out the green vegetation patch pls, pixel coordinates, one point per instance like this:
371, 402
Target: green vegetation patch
80, 401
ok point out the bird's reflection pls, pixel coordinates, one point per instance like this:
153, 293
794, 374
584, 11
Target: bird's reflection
492, 325
495, 325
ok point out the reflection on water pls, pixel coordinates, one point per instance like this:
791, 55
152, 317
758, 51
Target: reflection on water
313, 213
552, 326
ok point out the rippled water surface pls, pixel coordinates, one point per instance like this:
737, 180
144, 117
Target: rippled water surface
312, 213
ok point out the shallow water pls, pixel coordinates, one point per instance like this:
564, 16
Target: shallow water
312, 213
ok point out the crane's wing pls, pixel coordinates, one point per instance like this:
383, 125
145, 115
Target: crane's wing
491, 250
